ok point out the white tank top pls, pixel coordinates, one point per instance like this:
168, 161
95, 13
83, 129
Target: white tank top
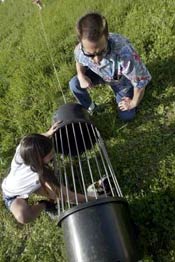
21, 181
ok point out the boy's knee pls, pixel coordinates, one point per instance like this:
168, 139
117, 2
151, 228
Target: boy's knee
73, 83
127, 115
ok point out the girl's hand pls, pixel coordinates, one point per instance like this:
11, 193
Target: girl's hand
53, 129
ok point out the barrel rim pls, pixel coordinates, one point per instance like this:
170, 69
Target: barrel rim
92, 203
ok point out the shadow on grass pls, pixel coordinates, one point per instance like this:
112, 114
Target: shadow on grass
142, 154
154, 215
142, 144
163, 79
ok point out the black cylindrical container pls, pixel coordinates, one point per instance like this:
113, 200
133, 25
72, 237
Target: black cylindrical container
71, 113
99, 231
73, 129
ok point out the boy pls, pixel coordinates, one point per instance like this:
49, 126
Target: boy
103, 57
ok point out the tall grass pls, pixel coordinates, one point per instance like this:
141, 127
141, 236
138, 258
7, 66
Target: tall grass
142, 152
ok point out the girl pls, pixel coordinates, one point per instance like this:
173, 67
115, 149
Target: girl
29, 173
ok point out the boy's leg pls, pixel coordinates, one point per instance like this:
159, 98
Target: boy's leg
81, 94
125, 91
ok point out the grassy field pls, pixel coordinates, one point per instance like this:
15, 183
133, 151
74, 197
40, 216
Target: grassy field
142, 152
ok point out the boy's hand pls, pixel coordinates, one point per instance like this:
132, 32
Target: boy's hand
126, 104
85, 82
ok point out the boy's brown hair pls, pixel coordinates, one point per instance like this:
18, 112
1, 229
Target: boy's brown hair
92, 26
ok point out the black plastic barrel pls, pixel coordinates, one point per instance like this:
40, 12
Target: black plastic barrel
99, 231
75, 126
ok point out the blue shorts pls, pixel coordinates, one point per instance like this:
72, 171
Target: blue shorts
8, 200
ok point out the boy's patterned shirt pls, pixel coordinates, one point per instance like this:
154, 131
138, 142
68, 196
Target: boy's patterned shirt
120, 60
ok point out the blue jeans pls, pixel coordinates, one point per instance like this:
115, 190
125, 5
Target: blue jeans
8, 200
121, 89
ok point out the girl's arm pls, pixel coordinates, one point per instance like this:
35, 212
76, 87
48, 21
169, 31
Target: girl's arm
52, 129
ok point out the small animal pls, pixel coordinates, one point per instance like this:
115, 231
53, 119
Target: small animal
99, 188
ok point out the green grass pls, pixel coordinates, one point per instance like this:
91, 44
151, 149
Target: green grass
142, 152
